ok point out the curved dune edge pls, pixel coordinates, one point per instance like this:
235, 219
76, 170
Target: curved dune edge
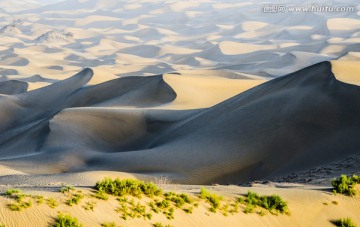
346, 71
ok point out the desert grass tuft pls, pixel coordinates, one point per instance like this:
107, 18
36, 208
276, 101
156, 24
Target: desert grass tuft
67, 188
345, 185
12, 191
108, 224
51, 202
274, 203
66, 220
213, 199
344, 222
131, 187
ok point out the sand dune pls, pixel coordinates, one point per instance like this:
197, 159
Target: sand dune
12, 87
347, 71
109, 125
232, 48
343, 24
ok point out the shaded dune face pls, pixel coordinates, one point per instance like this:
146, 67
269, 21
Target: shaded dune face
37, 122
127, 91
12, 87
292, 123
299, 121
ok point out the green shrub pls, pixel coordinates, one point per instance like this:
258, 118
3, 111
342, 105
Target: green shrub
274, 203
12, 191
135, 188
108, 224
158, 224
234, 208
26, 204
344, 222
67, 188
51, 202
188, 210
66, 220
162, 204
225, 209
169, 214
89, 206
124, 210
262, 213
154, 207
132, 210
19, 196
345, 185
39, 199
74, 199
178, 199
15, 207
148, 216
249, 209
18, 206
138, 210
101, 195
212, 198
123, 200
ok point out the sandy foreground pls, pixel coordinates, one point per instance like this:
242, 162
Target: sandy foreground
194, 91
309, 206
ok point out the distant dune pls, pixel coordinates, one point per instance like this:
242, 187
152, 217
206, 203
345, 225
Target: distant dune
138, 39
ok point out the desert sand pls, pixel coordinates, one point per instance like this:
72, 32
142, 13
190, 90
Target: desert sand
201, 92
311, 206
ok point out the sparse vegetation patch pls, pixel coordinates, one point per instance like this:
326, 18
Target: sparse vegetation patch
212, 198
131, 187
66, 220
344, 222
274, 203
346, 185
